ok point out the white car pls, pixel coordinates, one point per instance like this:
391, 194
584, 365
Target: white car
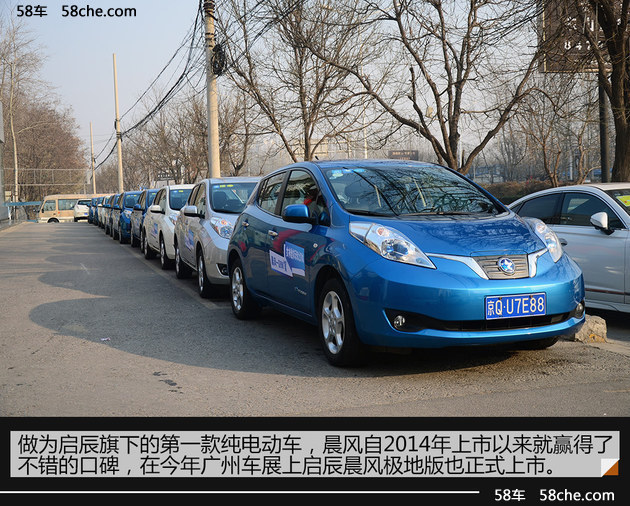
592, 222
159, 222
204, 227
82, 209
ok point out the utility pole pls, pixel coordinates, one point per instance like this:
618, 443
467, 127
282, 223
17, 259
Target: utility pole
118, 136
92, 158
214, 162
603, 134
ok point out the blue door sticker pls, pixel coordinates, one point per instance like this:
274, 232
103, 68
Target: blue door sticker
291, 263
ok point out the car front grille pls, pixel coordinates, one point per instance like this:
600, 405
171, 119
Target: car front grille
490, 265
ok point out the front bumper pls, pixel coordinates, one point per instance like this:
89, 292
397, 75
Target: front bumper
215, 255
446, 306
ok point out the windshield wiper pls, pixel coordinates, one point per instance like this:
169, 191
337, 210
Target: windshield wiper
368, 213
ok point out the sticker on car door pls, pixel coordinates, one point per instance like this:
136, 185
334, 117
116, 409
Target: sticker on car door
289, 264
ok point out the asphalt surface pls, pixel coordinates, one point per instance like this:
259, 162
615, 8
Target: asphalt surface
88, 327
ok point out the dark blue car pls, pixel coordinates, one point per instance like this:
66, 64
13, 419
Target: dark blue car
399, 254
108, 208
137, 215
121, 215
93, 213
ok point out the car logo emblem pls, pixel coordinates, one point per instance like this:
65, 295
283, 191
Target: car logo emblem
506, 266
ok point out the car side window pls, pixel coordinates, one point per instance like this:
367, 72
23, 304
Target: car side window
49, 205
302, 189
270, 193
577, 209
200, 201
544, 208
160, 200
142, 198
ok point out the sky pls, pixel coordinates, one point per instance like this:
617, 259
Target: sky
79, 51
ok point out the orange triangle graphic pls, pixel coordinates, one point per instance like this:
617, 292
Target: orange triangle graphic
613, 471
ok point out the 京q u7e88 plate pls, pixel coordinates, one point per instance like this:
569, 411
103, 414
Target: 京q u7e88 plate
514, 306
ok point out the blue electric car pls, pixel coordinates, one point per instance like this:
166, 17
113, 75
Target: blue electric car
121, 215
137, 215
399, 254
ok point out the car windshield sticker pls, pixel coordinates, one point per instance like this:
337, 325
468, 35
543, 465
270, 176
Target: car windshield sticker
291, 263
624, 199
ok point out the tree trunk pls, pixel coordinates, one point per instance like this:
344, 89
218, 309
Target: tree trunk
621, 166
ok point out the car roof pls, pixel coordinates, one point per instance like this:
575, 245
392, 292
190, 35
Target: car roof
233, 179
589, 187
177, 186
386, 163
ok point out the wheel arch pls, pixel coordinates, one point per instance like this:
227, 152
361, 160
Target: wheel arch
325, 273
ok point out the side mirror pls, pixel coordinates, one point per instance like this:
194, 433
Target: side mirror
297, 213
190, 211
155, 209
600, 222
137, 207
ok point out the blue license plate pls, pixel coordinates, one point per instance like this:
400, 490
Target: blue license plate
514, 306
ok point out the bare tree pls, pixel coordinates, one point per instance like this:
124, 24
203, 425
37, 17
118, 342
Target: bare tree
437, 67
46, 152
609, 40
303, 101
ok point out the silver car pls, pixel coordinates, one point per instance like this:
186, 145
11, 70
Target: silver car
592, 222
204, 227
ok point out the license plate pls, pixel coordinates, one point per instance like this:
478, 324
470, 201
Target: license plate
515, 306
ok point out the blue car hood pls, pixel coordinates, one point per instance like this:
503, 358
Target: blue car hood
470, 236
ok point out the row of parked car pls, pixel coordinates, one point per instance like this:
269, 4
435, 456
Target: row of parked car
373, 253
186, 225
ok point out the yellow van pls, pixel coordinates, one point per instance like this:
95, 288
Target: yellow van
60, 207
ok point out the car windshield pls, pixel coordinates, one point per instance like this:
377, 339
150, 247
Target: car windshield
84, 202
131, 200
150, 196
623, 197
232, 197
407, 191
177, 198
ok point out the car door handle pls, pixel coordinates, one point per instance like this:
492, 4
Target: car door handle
563, 241
245, 224
272, 233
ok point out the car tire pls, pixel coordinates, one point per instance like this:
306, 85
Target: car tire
133, 242
165, 261
243, 304
121, 237
204, 286
114, 232
146, 249
181, 269
336, 327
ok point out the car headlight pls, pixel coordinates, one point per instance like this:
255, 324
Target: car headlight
547, 236
389, 243
222, 227
173, 218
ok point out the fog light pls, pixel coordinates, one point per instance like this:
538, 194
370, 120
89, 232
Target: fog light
399, 322
579, 310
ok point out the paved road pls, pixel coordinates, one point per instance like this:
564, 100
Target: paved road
88, 327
